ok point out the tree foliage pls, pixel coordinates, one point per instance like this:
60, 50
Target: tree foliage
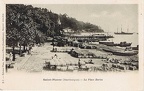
78, 26
27, 24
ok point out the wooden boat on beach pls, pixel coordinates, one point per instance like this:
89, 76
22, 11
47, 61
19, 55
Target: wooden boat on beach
110, 43
124, 44
121, 52
125, 53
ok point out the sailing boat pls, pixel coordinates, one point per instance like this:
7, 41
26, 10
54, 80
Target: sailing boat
123, 33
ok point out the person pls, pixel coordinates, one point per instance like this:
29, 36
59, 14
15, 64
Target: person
29, 49
55, 55
91, 62
79, 64
55, 49
10, 56
48, 65
71, 50
10, 61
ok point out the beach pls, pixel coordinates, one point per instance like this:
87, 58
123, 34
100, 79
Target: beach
35, 61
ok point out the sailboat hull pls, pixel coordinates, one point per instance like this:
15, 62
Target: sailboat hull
123, 33
124, 53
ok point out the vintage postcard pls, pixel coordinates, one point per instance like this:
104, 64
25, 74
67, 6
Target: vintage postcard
72, 45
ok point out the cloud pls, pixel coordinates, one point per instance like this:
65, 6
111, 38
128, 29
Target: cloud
106, 14
116, 14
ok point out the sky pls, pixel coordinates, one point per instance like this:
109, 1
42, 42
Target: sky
110, 17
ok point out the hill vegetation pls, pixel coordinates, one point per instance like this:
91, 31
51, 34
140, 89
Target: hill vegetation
32, 24
26, 24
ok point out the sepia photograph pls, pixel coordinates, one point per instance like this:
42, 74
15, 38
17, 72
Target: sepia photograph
71, 45
73, 37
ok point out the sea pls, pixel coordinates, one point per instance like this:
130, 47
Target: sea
121, 38
128, 38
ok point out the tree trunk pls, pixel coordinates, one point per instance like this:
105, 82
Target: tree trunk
24, 48
13, 52
20, 51
53, 43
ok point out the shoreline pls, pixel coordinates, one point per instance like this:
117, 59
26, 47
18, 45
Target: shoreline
36, 61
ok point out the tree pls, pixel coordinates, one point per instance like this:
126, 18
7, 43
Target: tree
27, 24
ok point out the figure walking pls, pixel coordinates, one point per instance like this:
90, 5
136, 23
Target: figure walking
79, 64
55, 55
10, 57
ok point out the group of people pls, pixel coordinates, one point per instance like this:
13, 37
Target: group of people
29, 48
89, 62
55, 56
11, 55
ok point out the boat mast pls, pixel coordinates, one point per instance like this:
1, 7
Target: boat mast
108, 31
121, 28
117, 29
128, 29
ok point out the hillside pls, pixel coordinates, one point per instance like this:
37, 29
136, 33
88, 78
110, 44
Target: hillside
26, 24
